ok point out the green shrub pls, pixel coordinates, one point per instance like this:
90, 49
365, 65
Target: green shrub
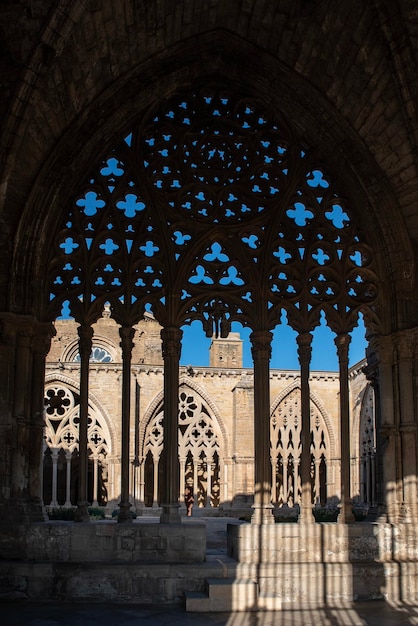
326, 513
286, 519
360, 513
96, 513
115, 513
66, 514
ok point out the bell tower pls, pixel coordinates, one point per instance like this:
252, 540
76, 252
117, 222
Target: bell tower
226, 352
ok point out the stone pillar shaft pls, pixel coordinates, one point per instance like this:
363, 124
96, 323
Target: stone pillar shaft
126, 334
342, 342
21, 410
171, 338
85, 333
24, 343
41, 345
156, 485
261, 351
305, 351
382, 347
404, 344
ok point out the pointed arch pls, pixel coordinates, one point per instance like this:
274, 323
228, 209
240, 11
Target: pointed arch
94, 402
286, 449
316, 400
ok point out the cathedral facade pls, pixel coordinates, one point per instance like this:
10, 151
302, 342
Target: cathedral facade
216, 427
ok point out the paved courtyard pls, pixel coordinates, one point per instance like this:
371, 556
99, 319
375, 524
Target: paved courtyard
365, 614
375, 613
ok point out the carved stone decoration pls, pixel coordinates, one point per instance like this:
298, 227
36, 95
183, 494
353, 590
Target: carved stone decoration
177, 213
199, 445
61, 446
285, 436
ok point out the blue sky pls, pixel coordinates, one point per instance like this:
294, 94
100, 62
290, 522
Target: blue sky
195, 348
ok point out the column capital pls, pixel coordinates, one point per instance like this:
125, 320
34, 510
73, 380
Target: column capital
304, 341
404, 342
41, 341
85, 334
261, 343
126, 334
171, 337
382, 347
13, 326
342, 342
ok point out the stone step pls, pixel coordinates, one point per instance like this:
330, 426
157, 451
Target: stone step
224, 594
268, 602
197, 602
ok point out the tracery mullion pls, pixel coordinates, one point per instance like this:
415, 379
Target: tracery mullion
126, 334
85, 332
304, 350
342, 341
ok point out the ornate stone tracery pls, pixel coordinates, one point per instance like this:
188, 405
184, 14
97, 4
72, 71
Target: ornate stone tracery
61, 445
286, 447
180, 209
212, 208
200, 449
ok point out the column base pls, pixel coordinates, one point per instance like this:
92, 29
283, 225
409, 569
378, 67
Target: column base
20, 510
407, 514
262, 514
125, 516
346, 515
170, 514
306, 515
82, 513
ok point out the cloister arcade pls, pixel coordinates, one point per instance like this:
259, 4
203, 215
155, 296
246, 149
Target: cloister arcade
208, 416
211, 208
221, 163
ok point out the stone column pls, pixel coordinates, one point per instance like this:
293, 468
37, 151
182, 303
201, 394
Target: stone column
182, 476
404, 344
305, 351
155, 462
285, 480
54, 459
171, 338
68, 456
142, 481
225, 482
95, 480
317, 482
85, 333
126, 335
40, 348
381, 376
273, 462
196, 479
261, 351
342, 341
21, 410
208, 481
21, 418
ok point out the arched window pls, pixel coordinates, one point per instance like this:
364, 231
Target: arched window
285, 431
200, 450
368, 449
98, 355
62, 405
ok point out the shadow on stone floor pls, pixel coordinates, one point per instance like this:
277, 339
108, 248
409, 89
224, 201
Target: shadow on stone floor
364, 614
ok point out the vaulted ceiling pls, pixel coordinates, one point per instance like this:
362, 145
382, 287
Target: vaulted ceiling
73, 73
